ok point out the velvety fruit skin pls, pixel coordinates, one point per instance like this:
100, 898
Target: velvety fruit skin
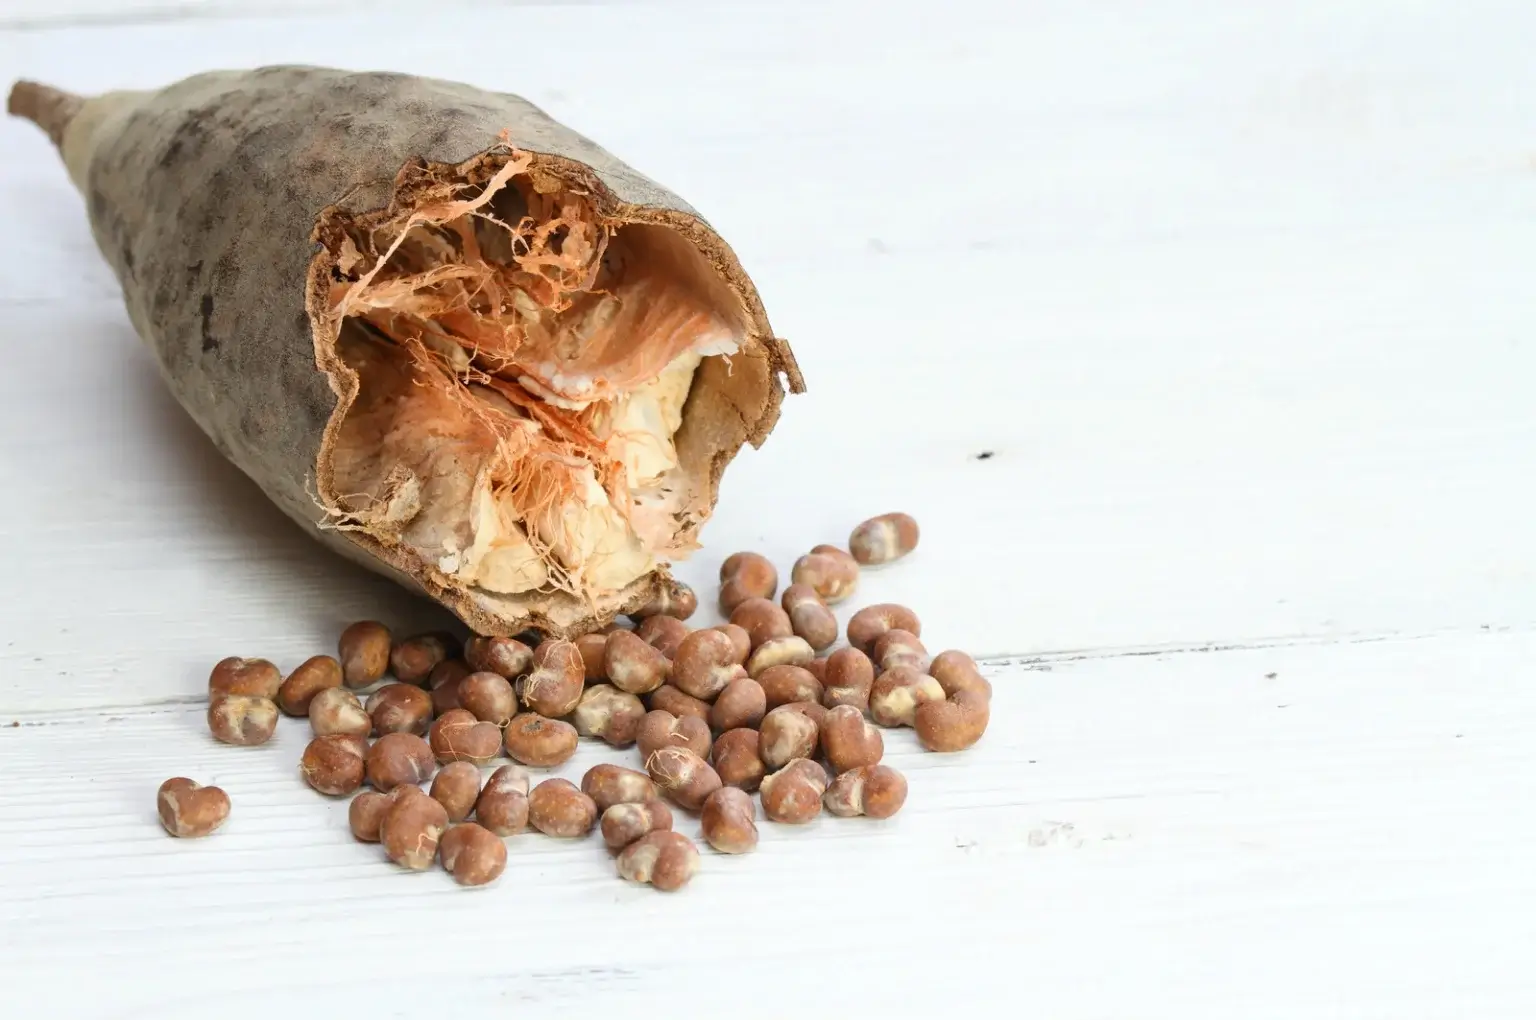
208, 198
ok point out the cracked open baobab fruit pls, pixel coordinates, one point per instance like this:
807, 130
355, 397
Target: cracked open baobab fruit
455, 340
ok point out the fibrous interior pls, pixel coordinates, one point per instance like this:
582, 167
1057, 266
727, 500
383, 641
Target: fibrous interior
523, 368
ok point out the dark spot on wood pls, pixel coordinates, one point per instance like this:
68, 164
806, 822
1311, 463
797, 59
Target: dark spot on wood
209, 343
128, 258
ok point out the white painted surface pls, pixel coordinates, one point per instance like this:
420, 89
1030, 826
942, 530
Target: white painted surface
1237, 295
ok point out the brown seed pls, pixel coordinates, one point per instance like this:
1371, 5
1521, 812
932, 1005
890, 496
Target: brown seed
828, 571
897, 692
503, 804
784, 684
746, 575
400, 708
793, 794
337, 710
742, 703
849, 678
592, 647
883, 539
682, 776
786, 734
458, 736
472, 854
817, 667
680, 604
663, 633
866, 626
397, 759
364, 653
507, 657
557, 808
250, 678
333, 765
543, 743
632, 665
834, 551
188, 809
809, 616
669, 699
665, 860
661, 728
445, 681
729, 821
411, 828
810, 709
849, 741
366, 813
875, 791
313, 675
956, 671
558, 678
737, 761
608, 785
763, 620
741, 641
955, 723
705, 663
489, 697
609, 714
784, 651
413, 660
237, 719
622, 824
899, 648
456, 788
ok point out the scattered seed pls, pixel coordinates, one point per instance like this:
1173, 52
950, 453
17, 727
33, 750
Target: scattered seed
189, 810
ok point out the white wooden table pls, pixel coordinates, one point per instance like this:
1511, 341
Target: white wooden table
1198, 336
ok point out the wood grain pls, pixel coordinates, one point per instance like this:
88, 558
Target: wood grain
1227, 831
1199, 341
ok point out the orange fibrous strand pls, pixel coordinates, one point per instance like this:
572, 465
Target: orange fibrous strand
533, 470
528, 310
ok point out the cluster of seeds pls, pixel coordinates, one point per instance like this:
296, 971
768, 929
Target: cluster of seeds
760, 705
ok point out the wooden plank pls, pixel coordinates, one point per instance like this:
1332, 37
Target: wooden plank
1242, 323
1235, 300
1322, 831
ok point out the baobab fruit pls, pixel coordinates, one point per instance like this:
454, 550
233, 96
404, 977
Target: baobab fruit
367, 286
